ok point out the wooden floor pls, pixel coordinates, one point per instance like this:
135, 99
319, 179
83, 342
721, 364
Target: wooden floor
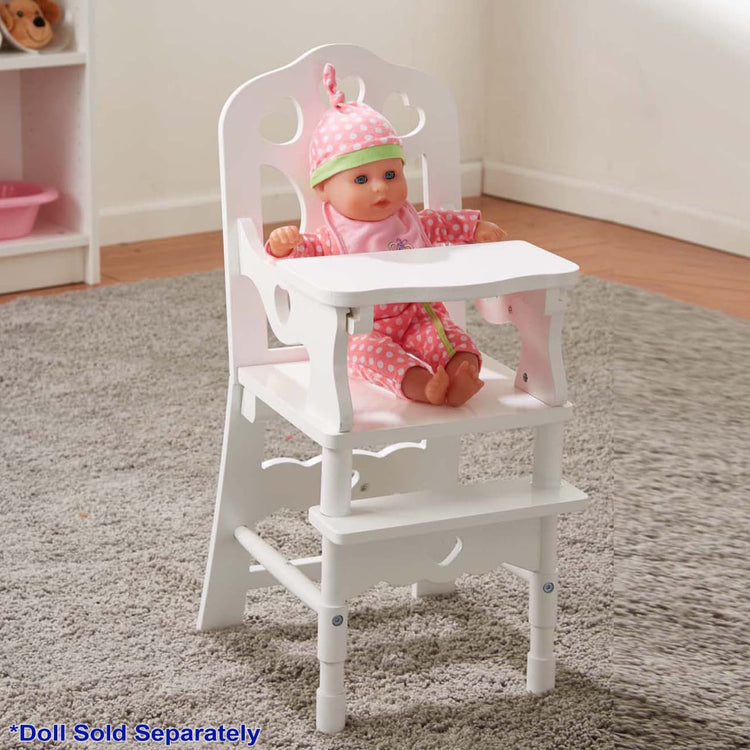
676, 269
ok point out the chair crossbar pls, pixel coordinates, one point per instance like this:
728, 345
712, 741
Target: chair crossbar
283, 570
260, 577
526, 575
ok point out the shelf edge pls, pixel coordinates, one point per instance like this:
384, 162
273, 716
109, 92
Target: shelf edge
10, 61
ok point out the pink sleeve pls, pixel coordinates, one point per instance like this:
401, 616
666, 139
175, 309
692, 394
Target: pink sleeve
312, 244
449, 227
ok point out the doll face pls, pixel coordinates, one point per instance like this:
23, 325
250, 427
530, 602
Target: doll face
370, 193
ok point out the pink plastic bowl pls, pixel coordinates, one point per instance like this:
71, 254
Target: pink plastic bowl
19, 205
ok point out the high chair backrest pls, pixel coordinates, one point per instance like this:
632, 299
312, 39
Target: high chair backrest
243, 151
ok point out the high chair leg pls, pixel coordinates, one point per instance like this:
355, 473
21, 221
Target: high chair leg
336, 482
540, 670
227, 578
540, 667
332, 632
335, 500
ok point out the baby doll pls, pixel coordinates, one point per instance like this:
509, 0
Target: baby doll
414, 350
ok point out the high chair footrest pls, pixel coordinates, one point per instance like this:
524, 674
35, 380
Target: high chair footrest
415, 513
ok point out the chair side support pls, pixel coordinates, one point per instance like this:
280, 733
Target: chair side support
297, 319
538, 316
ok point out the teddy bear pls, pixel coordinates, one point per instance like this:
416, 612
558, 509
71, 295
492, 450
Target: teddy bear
30, 22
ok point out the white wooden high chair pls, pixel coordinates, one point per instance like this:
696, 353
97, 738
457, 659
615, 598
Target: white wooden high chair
399, 515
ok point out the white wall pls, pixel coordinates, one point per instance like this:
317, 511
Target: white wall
164, 70
637, 111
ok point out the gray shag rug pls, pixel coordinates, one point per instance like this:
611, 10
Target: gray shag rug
112, 403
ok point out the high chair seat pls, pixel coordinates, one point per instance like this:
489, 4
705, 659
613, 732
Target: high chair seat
380, 417
397, 514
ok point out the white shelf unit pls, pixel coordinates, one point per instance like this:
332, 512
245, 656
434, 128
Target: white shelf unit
46, 136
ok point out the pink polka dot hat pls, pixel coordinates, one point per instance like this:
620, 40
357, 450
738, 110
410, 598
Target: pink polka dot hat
349, 135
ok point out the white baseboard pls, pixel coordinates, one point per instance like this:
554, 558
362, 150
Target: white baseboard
150, 221
610, 203
157, 219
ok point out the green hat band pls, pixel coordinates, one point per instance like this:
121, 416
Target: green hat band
356, 159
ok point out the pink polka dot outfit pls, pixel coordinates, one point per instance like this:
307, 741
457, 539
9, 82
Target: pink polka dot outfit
404, 335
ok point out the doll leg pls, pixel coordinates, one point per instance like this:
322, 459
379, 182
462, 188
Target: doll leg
378, 359
436, 339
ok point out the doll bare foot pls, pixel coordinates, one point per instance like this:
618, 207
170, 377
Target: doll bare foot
464, 384
420, 384
437, 387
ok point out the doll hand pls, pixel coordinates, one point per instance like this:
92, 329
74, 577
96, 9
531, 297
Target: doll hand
282, 241
486, 231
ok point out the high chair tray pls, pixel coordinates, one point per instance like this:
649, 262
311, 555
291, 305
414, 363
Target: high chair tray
457, 272
413, 513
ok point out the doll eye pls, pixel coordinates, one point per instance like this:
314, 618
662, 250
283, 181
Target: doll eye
360, 179
389, 175
20, 14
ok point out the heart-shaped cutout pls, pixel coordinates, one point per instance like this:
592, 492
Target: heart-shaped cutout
283, 123
406, 119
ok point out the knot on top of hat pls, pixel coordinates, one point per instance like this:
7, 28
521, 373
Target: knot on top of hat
335, 96
348, 135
